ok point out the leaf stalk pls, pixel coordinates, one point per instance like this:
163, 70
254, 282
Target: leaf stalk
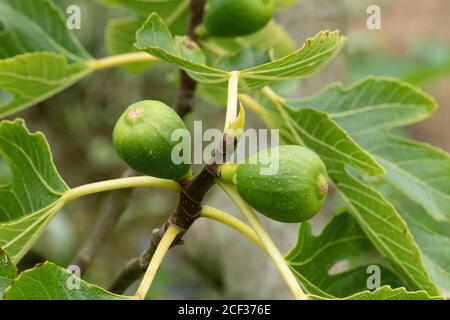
121, 183
232, 222
271, 249
164, 245
121, 59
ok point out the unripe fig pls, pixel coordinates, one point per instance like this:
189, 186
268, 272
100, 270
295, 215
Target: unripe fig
142, 138
232, 18
295, 193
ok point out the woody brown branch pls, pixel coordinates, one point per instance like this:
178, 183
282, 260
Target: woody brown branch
187, 212
185, 103
185, 96
120, 199
193, 191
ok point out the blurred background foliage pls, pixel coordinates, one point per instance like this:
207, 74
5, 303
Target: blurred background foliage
413, 45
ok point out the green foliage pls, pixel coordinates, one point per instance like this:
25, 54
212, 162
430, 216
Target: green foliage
35, 193
433, 237
121, 33
419, 171
29, 78
47, 281
270, 43
46, 60
174, 12
341, 240
395, 190
377, 217
37, 25
364, 110
120, 39
50, 282
155, 38
368, 110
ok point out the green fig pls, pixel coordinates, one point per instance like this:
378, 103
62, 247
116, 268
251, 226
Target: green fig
295, 193
232, 18
142, 138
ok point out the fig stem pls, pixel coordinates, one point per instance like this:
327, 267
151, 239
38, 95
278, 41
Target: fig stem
228, 172
164, 245
121, 183
232, 99
233, 222
185, 95
271, 249
121, 59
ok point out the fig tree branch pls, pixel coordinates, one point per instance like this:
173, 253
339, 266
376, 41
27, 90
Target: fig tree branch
119, 199
188, 211
192, 194
185, 96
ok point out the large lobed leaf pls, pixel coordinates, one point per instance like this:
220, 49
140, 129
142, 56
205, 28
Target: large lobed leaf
30, 75
49, 282
40, 56
46, 281
342, 240
35, 194
419, 171
36, 25
376, 216
120, 33
367, 111
120, 37
30, 78
307, 60
433, 237
155, 38
175, 13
